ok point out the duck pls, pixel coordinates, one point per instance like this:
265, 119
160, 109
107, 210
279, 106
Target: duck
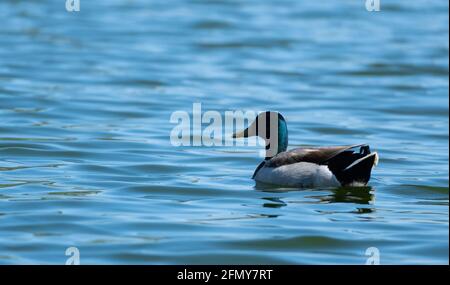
327, 166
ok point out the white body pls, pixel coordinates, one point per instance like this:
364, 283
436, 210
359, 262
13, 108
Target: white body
301, 174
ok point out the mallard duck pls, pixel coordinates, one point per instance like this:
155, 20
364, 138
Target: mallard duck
331, 166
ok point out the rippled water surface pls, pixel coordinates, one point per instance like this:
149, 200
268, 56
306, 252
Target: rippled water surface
85, 155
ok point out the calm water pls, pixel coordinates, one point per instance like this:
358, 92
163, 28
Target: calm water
85, 155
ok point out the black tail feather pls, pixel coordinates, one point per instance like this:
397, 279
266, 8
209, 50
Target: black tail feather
350, 166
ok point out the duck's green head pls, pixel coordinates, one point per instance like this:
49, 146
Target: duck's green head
266, 124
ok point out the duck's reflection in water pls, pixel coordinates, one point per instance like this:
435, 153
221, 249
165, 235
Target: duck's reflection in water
358, 195
355, 195
273, 202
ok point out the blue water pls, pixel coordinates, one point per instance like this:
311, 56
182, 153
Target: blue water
85, 155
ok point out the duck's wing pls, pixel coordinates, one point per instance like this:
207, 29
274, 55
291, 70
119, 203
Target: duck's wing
320, 155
